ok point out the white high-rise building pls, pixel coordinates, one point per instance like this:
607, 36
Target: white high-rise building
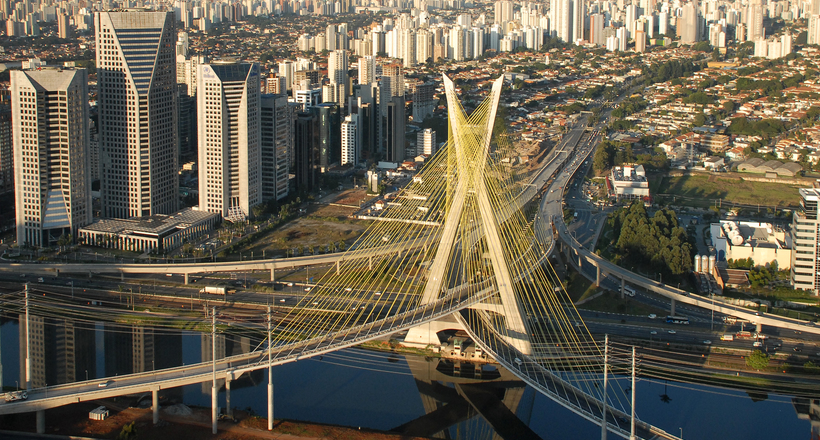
578, 15
754, 21
228, 114
52, 178
367, 69
663, 23
504, 11
337, 72
137, 102
350, 140
426, 142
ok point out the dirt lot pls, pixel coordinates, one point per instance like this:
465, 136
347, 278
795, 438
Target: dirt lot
320, 226
73, 420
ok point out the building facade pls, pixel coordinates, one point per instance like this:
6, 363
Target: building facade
53, 179
805, 267
228, 122
276, 143
137, 102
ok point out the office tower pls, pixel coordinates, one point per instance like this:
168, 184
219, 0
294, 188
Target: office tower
52, 179
6, 150
350, 140
328, 145
367, 70
330, 35
305, 161
754, 21
228, 125
63, 29
305, 79
596, 29
337, 72
408, 47
308, 98
186, 121
805, 263
182, 44
276, 142
394, 129
426, 142
663, 23
578, 16
136, 81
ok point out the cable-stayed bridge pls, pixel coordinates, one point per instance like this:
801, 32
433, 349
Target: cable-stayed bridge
460, 241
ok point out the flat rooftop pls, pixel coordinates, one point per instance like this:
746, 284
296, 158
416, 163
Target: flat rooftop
152, 225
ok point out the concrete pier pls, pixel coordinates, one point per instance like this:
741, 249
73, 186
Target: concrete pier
155, 404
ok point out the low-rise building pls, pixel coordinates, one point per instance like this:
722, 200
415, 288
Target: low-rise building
629, 182
762, 242
161, 233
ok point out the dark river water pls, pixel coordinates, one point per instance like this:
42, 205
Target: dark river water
361, 388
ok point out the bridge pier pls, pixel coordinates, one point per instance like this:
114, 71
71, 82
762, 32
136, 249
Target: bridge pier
122, 276
56, 272
597, 275
155, 404
41, 421
272, 274
270, 401
672, 306
370, 263
623, 284
185, 275
759, 328
214, 396
337, 267
228, 409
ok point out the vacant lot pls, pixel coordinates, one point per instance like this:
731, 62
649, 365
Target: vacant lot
703, 190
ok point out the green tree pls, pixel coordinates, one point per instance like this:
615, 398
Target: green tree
757, 360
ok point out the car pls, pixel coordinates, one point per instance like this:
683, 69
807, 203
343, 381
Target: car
315, 303
653, 332
672, 332
707, 342
290, 284
307, 289
348, 289
282, 300
40, 280
105, 384
652, 316
757, 344
377, 293
518, 362
13, 396
797, 349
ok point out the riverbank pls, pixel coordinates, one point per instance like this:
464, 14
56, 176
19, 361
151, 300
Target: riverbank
188, 424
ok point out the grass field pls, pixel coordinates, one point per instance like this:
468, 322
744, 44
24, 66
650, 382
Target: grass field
703, 190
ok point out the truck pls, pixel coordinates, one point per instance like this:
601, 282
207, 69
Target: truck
743, 335
214, 290
727, 337
13, 396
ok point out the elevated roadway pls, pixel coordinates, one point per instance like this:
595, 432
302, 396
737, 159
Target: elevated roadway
551, 209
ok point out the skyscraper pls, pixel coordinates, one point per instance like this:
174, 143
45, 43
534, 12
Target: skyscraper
754, 21
276, 137
52, 179
136, 79
350, 140
337, 72
228, 105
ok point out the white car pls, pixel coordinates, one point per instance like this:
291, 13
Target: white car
652, 316
672, 332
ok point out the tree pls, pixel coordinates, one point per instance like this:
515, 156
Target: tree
757, 360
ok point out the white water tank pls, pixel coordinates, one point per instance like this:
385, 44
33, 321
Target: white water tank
736, 238
711, 263
697, 263
704, 263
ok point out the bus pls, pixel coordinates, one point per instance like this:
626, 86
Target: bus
677, 320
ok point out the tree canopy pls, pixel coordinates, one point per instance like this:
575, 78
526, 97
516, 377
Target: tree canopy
656, 242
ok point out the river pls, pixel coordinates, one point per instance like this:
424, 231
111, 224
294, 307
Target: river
361, 388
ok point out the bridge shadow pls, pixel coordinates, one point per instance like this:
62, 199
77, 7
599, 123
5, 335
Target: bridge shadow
453, 393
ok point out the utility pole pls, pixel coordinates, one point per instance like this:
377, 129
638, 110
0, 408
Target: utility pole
213, 369
270, 377
632, 427
28, 346
603, 410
